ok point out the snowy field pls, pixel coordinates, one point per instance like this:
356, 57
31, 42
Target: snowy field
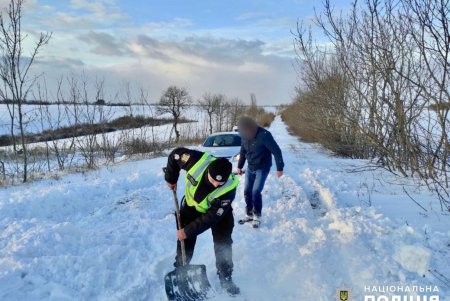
110, 234
63, 115
73, 147
36, 123
40, 118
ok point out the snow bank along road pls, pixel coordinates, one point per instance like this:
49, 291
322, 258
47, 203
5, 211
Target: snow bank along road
109, 234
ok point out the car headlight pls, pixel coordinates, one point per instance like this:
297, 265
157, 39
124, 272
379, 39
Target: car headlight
237, 157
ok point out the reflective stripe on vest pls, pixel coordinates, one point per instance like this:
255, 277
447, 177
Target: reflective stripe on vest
193, 178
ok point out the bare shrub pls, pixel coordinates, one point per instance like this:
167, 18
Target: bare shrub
262, 117
392, 58
140, 146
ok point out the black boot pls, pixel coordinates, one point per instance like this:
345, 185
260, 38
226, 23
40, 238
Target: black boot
229, 286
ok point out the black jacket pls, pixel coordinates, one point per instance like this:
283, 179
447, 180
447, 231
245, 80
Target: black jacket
258, 151
183, 158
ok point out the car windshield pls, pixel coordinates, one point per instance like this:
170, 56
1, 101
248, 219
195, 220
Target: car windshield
223, 140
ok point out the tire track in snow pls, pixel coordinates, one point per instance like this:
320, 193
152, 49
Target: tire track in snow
110, 235
304, 253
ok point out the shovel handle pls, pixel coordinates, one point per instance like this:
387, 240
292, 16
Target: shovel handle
177, 209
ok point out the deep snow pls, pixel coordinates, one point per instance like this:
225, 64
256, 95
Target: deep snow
109, 234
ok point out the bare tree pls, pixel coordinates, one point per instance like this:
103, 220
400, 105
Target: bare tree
220, 113
236, 109
209, 105
173, 101
15, 67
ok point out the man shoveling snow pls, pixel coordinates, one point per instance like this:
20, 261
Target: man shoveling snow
210, 189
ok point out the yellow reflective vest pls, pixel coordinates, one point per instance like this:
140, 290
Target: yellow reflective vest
193, 178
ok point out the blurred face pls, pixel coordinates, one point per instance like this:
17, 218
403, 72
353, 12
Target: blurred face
214, 182
247, 133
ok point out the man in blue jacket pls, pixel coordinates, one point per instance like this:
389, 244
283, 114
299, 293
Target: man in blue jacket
257, 148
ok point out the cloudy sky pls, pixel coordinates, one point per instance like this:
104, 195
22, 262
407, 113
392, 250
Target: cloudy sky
235, 47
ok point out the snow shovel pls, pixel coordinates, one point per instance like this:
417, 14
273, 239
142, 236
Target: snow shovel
188, 282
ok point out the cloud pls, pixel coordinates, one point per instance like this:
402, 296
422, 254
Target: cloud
281, 47
98, 39
52, 68
271, 79
26, 4
168, 25
103, 43
198, 50
250, 16
232, 51
101, 9
145, 46
82, 15
70, 21
96, 7
235, 67
58, 63
283, 22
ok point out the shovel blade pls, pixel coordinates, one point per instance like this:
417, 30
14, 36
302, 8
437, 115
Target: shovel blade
187, 283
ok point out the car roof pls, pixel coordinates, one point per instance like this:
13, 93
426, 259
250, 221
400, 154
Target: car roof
224, 133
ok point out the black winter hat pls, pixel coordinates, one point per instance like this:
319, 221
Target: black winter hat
220, 169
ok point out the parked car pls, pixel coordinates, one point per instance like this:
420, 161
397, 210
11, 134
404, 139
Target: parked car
223, 144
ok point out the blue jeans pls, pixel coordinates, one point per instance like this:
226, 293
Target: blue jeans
254, 184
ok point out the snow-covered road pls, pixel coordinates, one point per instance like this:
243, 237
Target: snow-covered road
109, 234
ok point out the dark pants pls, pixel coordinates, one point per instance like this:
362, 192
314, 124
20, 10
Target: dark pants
221, 233
254, 184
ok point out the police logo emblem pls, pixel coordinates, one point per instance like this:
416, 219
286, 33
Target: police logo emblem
219, 178
343, 295
185, 157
